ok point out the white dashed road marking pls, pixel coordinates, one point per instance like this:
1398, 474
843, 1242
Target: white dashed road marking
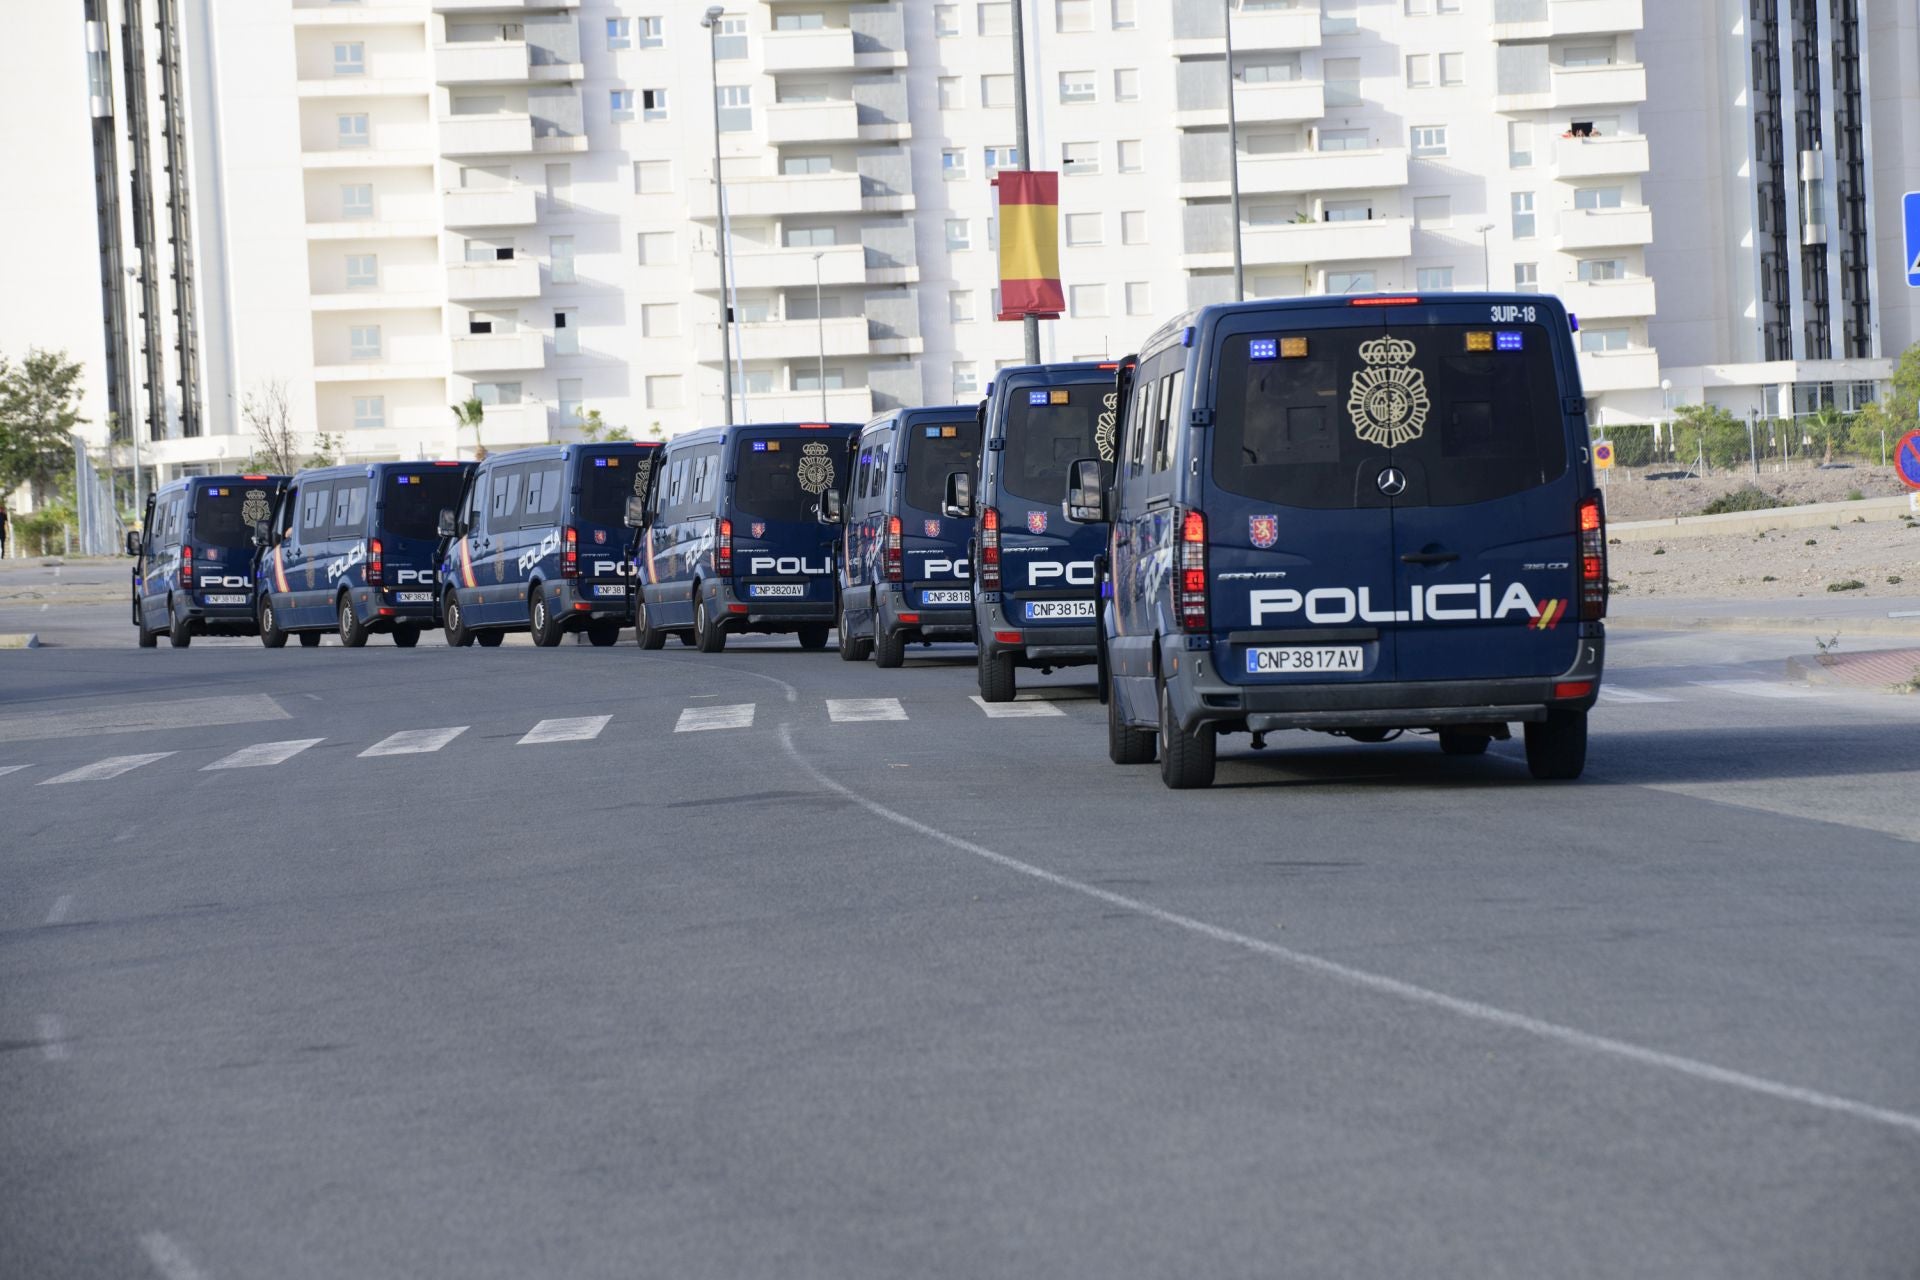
263, 754
414, 742
53, 1038
169, 1259
61, 905
6, 769
578, 729
1015, 710
1614, 693
694, 719
111, 767
855, 710
1758, 688
193, 713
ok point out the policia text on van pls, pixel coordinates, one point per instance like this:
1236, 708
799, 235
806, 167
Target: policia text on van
1360, 516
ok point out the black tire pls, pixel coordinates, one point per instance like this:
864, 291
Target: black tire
145, 638
459, 635
603, 633
1186, 759
489, 639
272, 636
644, 632
406, 637
813, 635
1465, 742
889, 647
353, 635
540, 620
707, 638
852, 648
309, 639
997, 682
180, 633
1557, 746
1126, 744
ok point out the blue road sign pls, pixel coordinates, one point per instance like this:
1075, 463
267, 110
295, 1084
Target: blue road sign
1906, 459
1910, 206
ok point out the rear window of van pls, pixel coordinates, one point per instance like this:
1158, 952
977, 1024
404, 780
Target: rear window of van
1050, 428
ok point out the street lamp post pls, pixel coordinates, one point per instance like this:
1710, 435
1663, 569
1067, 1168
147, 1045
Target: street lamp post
712, 23
1233, 165
1486, 258
820, 330
1030, 324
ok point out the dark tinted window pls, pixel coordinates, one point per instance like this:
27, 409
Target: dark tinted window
1465, 426
935, 449
224, 515
606, 484
783, 479
1044, 439
349, 509
411, 502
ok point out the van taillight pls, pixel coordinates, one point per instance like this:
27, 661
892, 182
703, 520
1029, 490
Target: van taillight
1593, 560
895, 570
186, 565
570, 555
376, 564
989, 548
723, 549
1191, 596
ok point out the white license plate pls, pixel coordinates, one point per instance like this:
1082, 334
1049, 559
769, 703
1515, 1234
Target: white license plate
1335, 658
224, 599
946, 596
777, 590
615, 590
1045, 610
413, 597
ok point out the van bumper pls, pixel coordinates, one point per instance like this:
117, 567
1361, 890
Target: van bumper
1040, 644
221, 619
946, 622
1201, 697
736, 613
380, 610
572, 593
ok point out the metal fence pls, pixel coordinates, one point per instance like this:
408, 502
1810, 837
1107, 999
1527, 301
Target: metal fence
97, 528
1757, 445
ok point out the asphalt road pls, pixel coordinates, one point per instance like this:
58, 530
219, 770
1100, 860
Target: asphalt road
844, 988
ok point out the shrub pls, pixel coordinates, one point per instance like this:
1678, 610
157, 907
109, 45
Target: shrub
1850, 584
1746, 498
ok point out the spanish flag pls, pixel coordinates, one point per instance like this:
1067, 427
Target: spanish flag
1030, 245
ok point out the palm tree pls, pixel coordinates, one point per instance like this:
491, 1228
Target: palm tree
470, 413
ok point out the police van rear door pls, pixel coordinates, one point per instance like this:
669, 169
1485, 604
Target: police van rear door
1048, 574
411, 499
608, 476
934, 548
220, 527
781, 551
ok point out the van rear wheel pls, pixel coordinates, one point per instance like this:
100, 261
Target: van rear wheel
603, 633
540, 620
889, 647
180, 633
813, 635
458, 636
352, 634
1126, 744
644, 631
996, 677
271, 634
1557, 746
707, 638
148, 640
1186, 759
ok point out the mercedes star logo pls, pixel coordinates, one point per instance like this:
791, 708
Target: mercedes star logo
1392, 482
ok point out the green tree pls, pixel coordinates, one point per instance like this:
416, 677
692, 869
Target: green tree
1896, 413
39, 409
593, 427
470, 413
1709, 431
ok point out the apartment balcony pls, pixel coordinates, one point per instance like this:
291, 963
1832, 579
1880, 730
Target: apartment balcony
1599, 86
781, 196
828, 49
1609, 299
377, 300
374, 229
506, 134
508, 426
367, 13
501, 6
507, 207
1265, 103
379, 371
499, 352
493, 281
1634, 370
1527, 20
1311, 243
848, 404
840, 266
1617, 156
1320, 171
492, 62
1582, 229
367, 158
1259, 31
790, 339
790, 122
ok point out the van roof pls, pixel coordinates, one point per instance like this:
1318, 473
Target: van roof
374, 469
1178, 329
586, 448
718, 435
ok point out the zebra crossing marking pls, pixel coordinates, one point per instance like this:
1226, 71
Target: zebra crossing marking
111, 767
698, 719
861, 710
566, 729
1015, 710
413, 742
264, 754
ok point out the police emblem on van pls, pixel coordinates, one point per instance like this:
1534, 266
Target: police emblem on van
932, 528
600, 536
816, 467
255, 508
1036, 522
1263, 531
759, 528
1388, 402
1103, 427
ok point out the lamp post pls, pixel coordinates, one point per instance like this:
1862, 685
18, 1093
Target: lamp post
712, 23
820, 330
1486, 258
1233, 164
1029, 325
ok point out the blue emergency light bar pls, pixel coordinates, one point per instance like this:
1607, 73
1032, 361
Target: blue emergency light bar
1509, 340
1036, 397
1264, 349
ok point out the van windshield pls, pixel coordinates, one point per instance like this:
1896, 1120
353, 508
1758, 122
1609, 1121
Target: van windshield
607, 482
934, 451
411, 502
1048, 429
1465, 425
224, 515
782, 480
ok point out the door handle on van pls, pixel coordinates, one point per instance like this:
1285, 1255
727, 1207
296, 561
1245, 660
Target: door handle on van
1430, 557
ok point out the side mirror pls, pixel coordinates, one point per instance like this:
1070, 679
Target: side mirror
832, 509
133, 543
959, 503
448, 526
636, 517
1086, 495
261, 537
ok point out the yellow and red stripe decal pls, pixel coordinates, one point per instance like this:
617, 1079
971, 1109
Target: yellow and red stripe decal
466, 563
1551, 614
280, 570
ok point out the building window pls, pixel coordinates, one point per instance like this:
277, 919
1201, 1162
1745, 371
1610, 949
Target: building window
619, 33
652, 177
363, 271
363, 342
953, 164
1345, 140
1077, 87
996, 19
736, 108
799, 21
946, 20
1284, 70
1349, 282
952, 95
656, 248
805, 166
1085, 228
1073, 15
966, 379
566, 332
1429, 140
759, 382
1523, 215
1342, 77
1133, 226
1526, 277
998, 158
1591, 270
1079, 159
1132, 155
1348, 211
620, 102
560, 256
810, 237
960, 306
1435, 279
569, 394
1337, 18
1139, 298
651, 34
1125, 15
350, 59
1453, 69
1519, 144
1601, 340
730, 38
1587, 55
1419, 70
1432, 211
354, 130
1126, 84
1087, 300
356, 200
663, 391
369, 413
497, 393
959, 235
1596, 198
660, 319
996, 91
809, 379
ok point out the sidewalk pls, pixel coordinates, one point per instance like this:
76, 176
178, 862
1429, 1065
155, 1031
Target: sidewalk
1885, 670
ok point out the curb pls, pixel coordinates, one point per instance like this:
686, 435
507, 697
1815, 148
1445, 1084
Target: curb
1784, 626
1814, 515
20, 640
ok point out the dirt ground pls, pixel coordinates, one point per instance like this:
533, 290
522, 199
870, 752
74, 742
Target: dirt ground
1773, 565
1655, 492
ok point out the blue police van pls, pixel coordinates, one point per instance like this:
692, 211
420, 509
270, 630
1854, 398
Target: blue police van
538, 543
1035, 579
731, 539
193, 557
904, 569
354, 550
1362, 516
